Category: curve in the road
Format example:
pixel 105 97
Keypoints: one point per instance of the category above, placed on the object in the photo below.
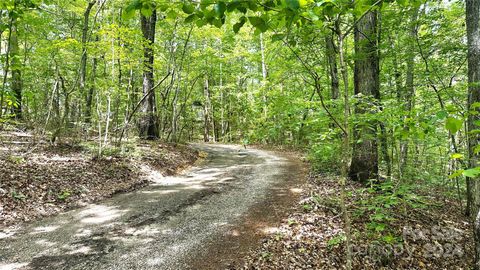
pixel 214 211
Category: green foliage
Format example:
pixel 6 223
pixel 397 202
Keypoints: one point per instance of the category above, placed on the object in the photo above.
pixel 307 207
pixel 325 156
pixel 382 202
pixel 453 125
pixel 18 195
pixel 16 159
pixel 336 240
pixel 64 194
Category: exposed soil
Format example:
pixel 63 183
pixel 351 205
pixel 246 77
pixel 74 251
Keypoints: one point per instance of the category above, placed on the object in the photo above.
pixel 229 250
pixel 39 179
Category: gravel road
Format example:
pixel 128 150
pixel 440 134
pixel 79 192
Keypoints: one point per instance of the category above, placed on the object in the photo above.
pixel 204 218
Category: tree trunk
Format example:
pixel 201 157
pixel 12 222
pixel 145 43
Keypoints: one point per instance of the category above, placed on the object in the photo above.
pixel 17 83
pixel 264 76
pixel 332 65
pixel 88 110
pixel 473 41
pixel 364 165
pixel 206 112
pixel 83 62
pixel 148 120
pixel 476 233
pixel 409 92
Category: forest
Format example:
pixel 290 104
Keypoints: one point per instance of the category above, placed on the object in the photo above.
pixel 378 99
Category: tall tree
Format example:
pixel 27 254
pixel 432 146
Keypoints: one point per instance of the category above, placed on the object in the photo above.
pixel 473 41
pixel 407 95
pixel 148 120
pixel 332 64
pixel 17 83
pixel 364 164
pixel 83 62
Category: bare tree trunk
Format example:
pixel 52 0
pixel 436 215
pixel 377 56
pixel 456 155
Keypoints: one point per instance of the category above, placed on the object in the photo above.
pixel 83 61
pixel 408 94
pixel 473 36
pixel 364 164
pixel 148 121
pixel 88 110
pixel 264 75
pixel 222 106
pixel 346 149
pixel 332 65
pixel 17 83
pixel 206 112
pixel 6 66
pixel 473 41
pixel 174 111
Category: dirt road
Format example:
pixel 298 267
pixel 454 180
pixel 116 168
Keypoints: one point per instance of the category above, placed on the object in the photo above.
pixel 205 218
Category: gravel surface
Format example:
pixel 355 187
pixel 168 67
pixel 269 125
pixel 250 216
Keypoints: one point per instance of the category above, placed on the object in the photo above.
pixel 171 224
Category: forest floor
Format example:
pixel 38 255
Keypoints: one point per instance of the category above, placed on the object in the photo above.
pixel 390 230
pixel 40 179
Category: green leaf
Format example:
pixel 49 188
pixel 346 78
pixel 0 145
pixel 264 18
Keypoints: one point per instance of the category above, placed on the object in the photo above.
pixel 475 105
pixel 188 8
pixel 453 125
pixel 476 149
pixel 146 10
pixel 239 25
pixel 456 174
pixel 278 37
pixel 303 3
pixel 242 9
pixel 217 22
pixel 472 172
pixel 129 11
pixel 258 23
pixel 172 14
pixel 200 23
pixel 190 18
pixel 442 114
pixel 293 4
pixel 220 8
pixel 232 6
pixel 456 156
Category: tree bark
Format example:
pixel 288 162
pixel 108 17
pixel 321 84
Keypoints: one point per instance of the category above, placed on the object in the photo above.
pixel 332 65
pixel 206 112
pixel 83 62
pixel 264 76
pixel 91 90
pixel 364 165
pixel 17 83
pixel 148 120
pixel 409 92
pixel 473 41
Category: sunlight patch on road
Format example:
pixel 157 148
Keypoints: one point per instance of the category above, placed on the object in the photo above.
pixel 45 243
pixel 12 266
pixel 296 190
pixel 234 233
pixel 96 214
pixel 161 192
pixel 83 233
pixel 7 233
pixel 80 250
pixel 269 230
pixel 44 229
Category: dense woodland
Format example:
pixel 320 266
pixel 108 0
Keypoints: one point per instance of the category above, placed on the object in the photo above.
pixel 385 93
